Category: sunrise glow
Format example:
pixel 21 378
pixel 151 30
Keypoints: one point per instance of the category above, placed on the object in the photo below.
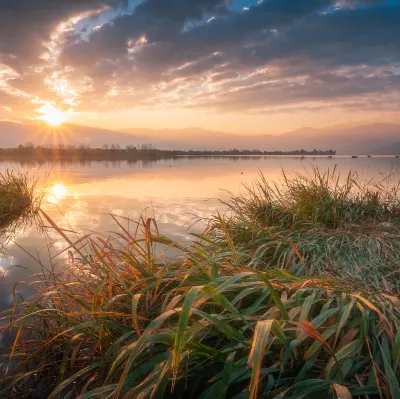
pixel 225 172
pixel 52 115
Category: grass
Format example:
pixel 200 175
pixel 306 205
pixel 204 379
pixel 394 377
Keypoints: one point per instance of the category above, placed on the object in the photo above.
pixel 17 197
pixel 123 319
pixel 320 225
pixel 322 199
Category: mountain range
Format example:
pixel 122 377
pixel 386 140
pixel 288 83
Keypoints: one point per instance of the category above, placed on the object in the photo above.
pixel 383 138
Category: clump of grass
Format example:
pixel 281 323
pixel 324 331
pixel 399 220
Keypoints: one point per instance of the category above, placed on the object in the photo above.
pixel 17 197
pixel 320 199
pixel 319 225
pixel 124 321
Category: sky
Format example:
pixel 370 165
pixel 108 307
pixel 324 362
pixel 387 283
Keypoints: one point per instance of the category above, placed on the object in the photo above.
pixel 240 66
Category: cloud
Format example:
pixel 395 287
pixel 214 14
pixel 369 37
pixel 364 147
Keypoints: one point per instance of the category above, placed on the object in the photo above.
pixel 170 45
pixel 156 20
pixel 25 25
pixel 318 88
pixel 204 53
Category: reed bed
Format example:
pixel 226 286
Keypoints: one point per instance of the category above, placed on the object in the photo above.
pixel 18 197
pixel 123 319
pixel 321 225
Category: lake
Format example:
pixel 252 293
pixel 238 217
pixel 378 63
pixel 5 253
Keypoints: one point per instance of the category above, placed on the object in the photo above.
pixel 81 196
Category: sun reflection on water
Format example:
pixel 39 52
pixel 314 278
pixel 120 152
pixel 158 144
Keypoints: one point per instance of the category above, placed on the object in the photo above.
pixel 57 193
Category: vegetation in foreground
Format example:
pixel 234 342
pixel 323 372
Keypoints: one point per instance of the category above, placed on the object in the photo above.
pixel 17 197
pixel 217 319
pixel 320 225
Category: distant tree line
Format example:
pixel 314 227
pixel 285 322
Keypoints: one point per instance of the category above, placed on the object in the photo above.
pixel 31 147
pixel 143 151
pixel 258 152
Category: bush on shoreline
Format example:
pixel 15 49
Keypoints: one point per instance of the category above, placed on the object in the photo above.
pixel 123 320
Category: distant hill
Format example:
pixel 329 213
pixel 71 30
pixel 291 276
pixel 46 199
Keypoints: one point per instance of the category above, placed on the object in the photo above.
pixel 361 140
pixel 368 139
pixel 392 149
pixel 201 139
pixel 346 140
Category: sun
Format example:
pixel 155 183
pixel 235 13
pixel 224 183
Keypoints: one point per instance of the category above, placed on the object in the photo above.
pixel 55 117
pixel 52 115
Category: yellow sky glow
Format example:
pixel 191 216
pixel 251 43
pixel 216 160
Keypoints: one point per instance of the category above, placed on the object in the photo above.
pixel 77 75
pixel 52 115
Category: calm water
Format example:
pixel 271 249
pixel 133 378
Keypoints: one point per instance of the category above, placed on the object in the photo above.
pixel 80 197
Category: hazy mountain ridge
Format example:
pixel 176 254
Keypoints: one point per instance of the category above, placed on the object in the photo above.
pixel 391 149
pixel 365 139
pixel 347 140
pixel 368 139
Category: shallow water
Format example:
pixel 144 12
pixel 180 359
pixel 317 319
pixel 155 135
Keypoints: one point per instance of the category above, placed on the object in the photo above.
pixel 81 196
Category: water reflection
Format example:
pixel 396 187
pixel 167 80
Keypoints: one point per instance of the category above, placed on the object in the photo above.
pixel 57 193
pixel 82 195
